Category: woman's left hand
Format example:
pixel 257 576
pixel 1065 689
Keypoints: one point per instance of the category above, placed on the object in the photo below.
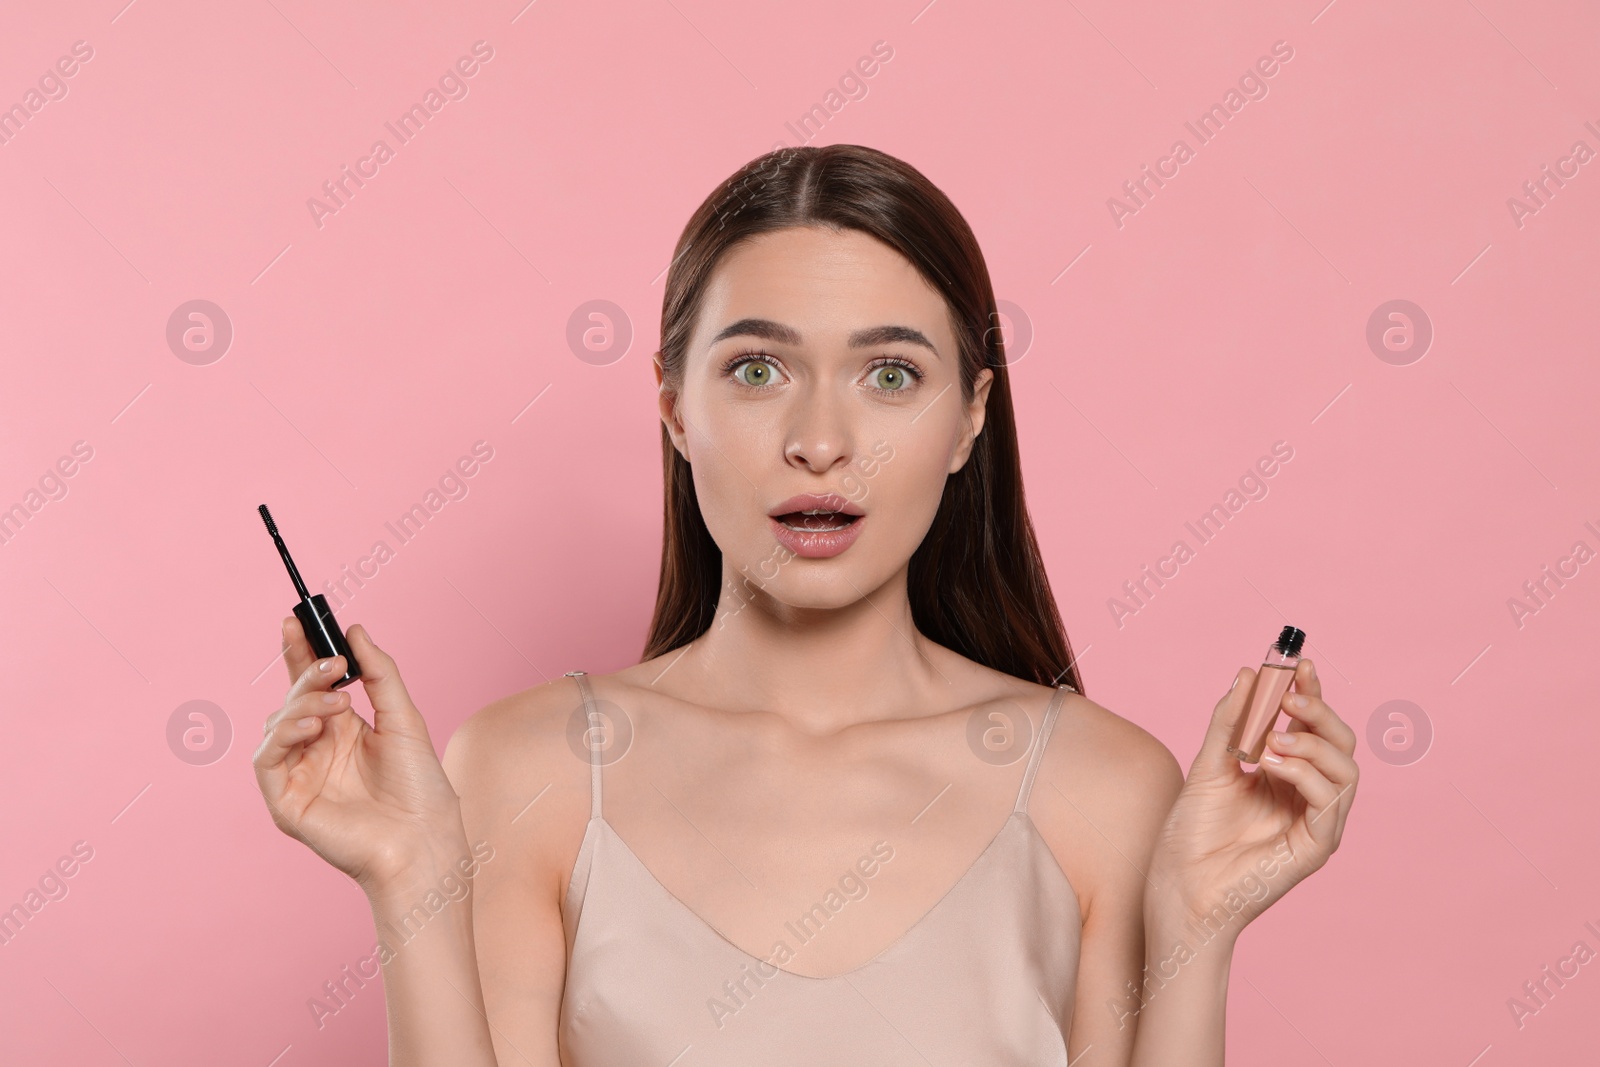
pixel 1238 841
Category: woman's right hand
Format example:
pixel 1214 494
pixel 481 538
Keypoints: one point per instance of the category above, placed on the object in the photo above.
pixel 373 801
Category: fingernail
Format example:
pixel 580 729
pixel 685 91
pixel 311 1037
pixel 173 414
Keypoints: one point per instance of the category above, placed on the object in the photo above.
pixel 331 698
pixel 1268 757
pixel 1301 701
pixel 1281 738
pixel 1311 668
pixel 1235 684
pixel 303 723
pixel 325 665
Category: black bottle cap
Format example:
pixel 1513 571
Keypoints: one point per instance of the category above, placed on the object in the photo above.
pixel 1290 641
pixel 326 638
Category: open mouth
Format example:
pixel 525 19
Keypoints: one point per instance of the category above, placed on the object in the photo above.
pixel 817 521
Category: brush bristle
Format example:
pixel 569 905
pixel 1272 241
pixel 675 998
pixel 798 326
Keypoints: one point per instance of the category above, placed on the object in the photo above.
pixel 266 516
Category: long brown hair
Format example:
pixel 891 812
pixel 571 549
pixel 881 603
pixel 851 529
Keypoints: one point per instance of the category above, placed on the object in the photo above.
pixel 976 583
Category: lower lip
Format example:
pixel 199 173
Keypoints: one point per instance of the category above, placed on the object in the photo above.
pixel 817 544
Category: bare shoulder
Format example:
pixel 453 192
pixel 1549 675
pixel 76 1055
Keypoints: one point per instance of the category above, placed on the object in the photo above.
pixel 1104 788
pixel 1097 755
pixel 502 743
pixel 522 785
pixel 526 796
pixel 1094 747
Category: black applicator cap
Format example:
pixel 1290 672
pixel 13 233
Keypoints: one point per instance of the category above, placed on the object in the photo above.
pixel 1291 640
pixel 325 636
pixel 316 618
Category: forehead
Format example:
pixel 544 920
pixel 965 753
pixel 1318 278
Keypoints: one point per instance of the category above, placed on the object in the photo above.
pixel 824 283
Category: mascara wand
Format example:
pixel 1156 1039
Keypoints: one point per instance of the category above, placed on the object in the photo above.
pixel 316 618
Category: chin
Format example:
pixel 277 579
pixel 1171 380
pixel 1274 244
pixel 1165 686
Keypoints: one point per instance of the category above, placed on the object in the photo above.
pixel 820 584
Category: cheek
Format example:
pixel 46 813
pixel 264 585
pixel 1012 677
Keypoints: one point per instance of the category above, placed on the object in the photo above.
pixel 726 453
pixel 911 486
pixel 900 478
pixel 733 430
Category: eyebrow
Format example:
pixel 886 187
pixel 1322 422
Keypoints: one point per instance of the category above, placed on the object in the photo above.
pixel 871 337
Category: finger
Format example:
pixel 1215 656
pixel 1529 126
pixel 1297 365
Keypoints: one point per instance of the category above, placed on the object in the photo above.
pixel 321 703
pixel 284 736
pixel 319 675
pixel 297 652
pixel 392 707
pixel 1331 762
pixel 1213 759
pixel 272 759
pixel 1306 680
pixel 1326 800
pixel 1310 714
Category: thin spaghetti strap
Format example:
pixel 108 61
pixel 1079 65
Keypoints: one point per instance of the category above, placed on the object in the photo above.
pixel 1038 746
pixel 591 723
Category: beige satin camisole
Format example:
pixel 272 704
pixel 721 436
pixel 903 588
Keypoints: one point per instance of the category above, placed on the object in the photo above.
pixel 985 978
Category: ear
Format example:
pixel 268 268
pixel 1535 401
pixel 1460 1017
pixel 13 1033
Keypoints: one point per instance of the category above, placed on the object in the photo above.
pixel 975 418
pixel 667 401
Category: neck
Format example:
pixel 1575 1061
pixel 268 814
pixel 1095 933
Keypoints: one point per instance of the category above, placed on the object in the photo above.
pixel 821 667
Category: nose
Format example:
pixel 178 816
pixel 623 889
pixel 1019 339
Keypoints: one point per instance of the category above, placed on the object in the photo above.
pixel 818 436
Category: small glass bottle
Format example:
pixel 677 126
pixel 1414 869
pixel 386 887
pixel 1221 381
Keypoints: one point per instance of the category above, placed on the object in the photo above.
pixel 1266 698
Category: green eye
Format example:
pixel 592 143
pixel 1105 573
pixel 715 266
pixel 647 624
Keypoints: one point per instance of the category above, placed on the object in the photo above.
pixel 891 379
pixel 759 374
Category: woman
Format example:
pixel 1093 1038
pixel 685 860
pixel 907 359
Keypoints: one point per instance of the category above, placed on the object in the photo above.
pixel 853 801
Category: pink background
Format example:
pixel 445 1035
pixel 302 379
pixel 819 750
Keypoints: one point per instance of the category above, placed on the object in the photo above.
pixel 431 311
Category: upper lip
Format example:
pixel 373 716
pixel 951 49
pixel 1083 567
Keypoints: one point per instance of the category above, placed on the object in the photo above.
pixel 815 502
